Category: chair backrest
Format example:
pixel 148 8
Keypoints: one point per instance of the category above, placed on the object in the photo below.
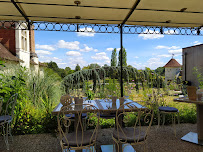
pixel 10 106
pixel 66 100
pixel 64 123
pixel 121 99
pixel 75 99
pixel 1 103
pixel 140 126
pixel 114 98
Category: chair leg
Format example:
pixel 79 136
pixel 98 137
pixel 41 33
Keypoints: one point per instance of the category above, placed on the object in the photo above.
pixel 5 135
pixel 10 132
pixel 164 118
pixel 178 118
pixel 174 123
pixel 158 120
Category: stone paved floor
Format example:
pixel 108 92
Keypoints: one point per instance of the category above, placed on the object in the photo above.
pixel 161 140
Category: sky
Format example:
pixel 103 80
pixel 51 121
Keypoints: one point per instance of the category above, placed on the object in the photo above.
pixel 68 49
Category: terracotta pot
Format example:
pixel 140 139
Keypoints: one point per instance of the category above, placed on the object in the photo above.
pixel 191 91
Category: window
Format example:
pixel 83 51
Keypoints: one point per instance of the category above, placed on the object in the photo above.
pixel 24 42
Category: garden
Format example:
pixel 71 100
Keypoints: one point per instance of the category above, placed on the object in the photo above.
pixel 39 94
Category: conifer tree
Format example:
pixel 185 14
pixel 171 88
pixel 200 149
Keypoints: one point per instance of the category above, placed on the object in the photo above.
pixel 114 58
pixel 124 58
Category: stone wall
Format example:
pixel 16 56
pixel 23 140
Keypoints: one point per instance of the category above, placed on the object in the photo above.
pixel 171 72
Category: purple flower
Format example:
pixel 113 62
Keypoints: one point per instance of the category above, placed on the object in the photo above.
pixel 133 80
pixel 131 88
pixel 152 73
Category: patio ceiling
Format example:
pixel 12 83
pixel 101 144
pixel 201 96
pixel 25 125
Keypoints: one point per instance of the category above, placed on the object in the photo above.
pixel 166 13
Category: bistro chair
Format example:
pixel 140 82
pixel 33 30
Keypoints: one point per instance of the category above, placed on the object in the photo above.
pixel 67 100
pixel 6 119
pixel 168 110
pixel 132 135
pixel 79 139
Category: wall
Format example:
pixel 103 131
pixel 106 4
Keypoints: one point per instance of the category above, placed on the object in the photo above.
pixel 193 58
pixel 23 53
pixel 171 72
pixel 7 38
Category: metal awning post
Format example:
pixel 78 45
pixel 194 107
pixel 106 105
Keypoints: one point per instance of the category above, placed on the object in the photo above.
pixel 121 59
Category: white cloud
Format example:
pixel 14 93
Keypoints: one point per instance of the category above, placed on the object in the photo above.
pixel 118 49
pixel 166 47
pixel 84 32
pixel 86 49
pixel 42 52
pixel 109 49
pixel 165 55
pixel 177 51
pixel 48 59
pixel 138 65
pixel 136 57
pixel 154 63
pixel 73 61
pixel 196 43
pixel 150 36
pixel 73 53
pixel 101 56
pixel 68 45
pixel 61 63
pixel 45 47
pixel 95 50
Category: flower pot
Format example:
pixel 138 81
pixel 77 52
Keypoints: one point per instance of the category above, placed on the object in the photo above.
pixel 199 94
pixel 191 91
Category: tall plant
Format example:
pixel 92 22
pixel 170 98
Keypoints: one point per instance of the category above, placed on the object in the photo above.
pixel 124 57
pixel 114 58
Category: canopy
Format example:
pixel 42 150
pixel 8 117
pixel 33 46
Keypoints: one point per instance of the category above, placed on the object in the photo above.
pixel 166 13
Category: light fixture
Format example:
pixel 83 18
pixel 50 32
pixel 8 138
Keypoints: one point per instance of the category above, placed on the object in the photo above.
pixel 77 2
pixel 183 9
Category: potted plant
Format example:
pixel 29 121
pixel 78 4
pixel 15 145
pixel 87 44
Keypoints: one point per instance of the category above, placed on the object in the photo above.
pixel 200 80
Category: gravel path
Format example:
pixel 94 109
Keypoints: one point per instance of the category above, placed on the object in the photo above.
pixel 161 140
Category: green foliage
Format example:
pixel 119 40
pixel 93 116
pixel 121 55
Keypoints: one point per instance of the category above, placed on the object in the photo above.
pixel 77 68
pixel 124 59
pixel 114 58
pixel 37 97
pixel 160 71
pixel 199 77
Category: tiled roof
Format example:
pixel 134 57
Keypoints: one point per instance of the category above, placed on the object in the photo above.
pixel 172 63
pixel 7 55
pixel 33 63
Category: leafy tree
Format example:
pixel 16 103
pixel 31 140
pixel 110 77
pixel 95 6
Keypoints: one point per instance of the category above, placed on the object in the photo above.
pixel 91 66
pixel 114 58
pixel 77 68
pixel 53 66
pixel 124 58
pixel 68 70
pixel 160 71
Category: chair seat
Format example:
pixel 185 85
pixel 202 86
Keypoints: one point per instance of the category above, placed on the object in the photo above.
pixel 130 135
pixel 168 109
pixel 72 116
pixel 87 140
pixel 5 118
pixel 107 115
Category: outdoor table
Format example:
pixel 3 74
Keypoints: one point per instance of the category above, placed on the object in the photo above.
pixel 104 106
pixel 192 137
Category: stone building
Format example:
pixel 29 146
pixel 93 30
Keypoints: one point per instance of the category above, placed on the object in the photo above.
pixel 172 70
pixel 18 47
pixel 192 57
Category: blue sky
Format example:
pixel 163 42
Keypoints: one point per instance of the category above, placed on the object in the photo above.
pixel 69 49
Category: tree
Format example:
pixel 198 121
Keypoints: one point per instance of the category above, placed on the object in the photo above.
pixel 160 71
pixel 68 70
pixel 53 66
pixel 124 58
pixel 77 68
pixel 114 58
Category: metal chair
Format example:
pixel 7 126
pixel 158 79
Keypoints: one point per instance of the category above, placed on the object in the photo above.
pixel 132 135
pixel 168 110
pixel 79 139
pixel 6 119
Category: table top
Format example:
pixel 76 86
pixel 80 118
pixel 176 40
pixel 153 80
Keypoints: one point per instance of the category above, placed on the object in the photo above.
pixel 104 105
pixel 186 100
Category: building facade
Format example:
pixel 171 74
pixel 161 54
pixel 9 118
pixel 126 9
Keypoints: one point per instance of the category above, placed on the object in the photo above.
pixel 18 47
pixel 172 70
pixel 192 57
